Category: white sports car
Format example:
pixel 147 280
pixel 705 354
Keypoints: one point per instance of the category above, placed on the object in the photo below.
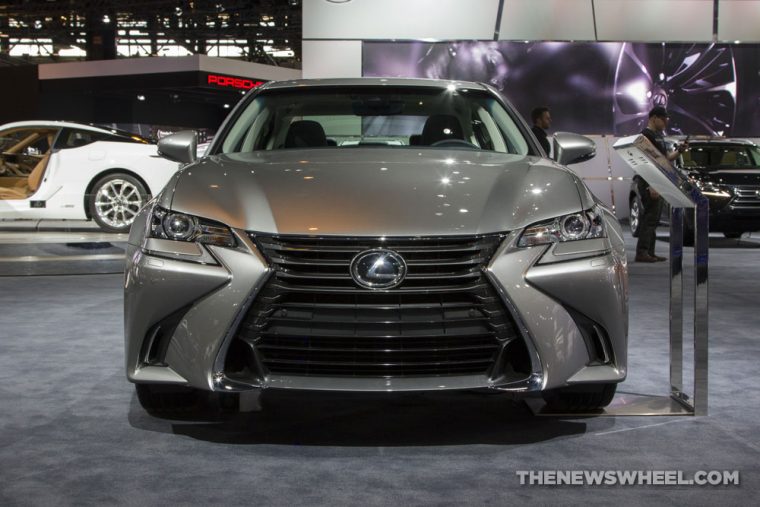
pixel 61 170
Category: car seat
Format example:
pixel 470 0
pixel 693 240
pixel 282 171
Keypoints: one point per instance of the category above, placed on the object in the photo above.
pixel 20 187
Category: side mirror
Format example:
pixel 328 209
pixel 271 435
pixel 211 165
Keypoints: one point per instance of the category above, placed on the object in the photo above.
pixel 572 148
pixel 180 147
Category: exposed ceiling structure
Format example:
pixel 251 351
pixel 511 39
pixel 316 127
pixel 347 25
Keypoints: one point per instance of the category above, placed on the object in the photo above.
pixel 43 31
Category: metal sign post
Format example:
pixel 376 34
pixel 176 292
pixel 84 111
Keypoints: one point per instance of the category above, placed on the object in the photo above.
pixel 681 194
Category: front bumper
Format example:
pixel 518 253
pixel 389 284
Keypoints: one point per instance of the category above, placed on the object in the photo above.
pixel 568 300
pixel 730 219
pixel 738 213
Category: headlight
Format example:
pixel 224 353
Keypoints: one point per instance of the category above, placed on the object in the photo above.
pixel 711 189
pixel 166 224
pixel 584 225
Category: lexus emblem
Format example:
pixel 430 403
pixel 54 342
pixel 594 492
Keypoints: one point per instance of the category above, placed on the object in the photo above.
pixel 378 269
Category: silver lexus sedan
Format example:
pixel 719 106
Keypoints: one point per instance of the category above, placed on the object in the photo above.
pixel 375 235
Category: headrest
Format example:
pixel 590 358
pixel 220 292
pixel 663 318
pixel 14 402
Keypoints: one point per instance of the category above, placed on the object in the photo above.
pixel 439 127
pixel 305 134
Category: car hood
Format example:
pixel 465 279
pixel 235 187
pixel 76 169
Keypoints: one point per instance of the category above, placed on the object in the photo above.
pixel 731 176
pixel 376 191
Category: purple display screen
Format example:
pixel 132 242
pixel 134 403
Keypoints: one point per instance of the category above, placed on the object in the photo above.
pixel 601 87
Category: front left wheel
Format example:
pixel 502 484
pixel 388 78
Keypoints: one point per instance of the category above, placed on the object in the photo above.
pixel 115 201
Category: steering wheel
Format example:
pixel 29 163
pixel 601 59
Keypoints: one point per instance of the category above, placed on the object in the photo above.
pixel 455 143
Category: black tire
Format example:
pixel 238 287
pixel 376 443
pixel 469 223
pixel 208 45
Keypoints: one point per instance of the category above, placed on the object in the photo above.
pixel 115 201
pixel 733 235
pixel 162 399
pixel 580 398
pixel 635 209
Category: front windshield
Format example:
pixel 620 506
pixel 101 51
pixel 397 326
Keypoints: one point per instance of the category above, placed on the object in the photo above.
pixel 355 117
pixel 722 156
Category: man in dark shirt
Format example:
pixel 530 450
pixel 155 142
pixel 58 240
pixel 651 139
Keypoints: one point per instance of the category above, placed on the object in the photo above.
pixel 542 120
pixel 650 199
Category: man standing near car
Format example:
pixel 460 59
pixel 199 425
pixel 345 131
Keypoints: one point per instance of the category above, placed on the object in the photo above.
pixel 650 199
pixel 542 120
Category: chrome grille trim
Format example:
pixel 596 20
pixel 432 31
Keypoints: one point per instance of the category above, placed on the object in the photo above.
pixel 311 319
pixel 746 197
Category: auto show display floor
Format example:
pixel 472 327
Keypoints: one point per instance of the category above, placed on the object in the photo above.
pixel 73 433
pixel 60 252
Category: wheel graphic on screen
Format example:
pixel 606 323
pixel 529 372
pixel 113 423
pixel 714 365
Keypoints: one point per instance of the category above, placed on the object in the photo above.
pixel 695 82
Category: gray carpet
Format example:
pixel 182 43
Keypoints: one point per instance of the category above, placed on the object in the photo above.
pixel 72 431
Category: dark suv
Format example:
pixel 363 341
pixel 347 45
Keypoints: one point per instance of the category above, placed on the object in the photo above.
pixel 727 171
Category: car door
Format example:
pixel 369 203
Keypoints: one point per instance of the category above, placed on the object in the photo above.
pixel 78 156
pixel 26 154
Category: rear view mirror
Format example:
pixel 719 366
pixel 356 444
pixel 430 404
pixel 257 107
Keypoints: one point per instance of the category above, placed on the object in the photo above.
pixel 180 147
pixel 377 106
pixel 572 148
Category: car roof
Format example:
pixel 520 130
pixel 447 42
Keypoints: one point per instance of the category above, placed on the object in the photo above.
pixel 374 81
pixel 711 140
pixel 56 124
pixel 743 142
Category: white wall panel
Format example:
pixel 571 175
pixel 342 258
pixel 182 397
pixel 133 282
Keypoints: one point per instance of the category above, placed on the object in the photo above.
pixel 324 58
pixel 654 20
pixel 400 19
pixel 158 65
pixel 547 20
pixel 739 20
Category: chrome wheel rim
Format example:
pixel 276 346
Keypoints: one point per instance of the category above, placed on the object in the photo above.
pixel 117 203
pixel 634 215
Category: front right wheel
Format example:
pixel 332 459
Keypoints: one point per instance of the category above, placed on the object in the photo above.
pixel 580 398
pixel 634 215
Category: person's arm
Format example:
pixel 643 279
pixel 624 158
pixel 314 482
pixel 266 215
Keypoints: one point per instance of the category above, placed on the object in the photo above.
pixel 677 152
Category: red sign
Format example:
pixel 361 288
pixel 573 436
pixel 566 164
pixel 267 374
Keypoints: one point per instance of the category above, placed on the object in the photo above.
pixel 233 82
